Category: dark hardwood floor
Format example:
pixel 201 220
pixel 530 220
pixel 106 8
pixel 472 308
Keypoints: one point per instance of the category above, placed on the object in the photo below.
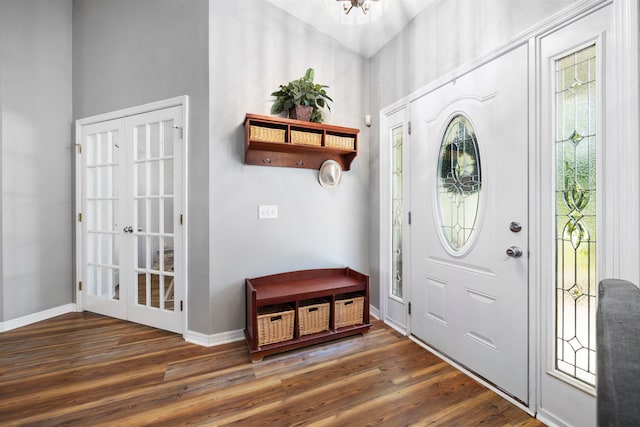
pixel 89 370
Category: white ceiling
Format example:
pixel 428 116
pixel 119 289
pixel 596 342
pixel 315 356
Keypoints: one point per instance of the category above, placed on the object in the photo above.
pixel 365 39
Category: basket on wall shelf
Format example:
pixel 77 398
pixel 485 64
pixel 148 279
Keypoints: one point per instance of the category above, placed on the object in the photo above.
pixel 306 138
pixel 341 142
pixel 260 133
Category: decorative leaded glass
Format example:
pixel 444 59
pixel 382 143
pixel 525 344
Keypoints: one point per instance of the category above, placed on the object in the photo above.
pixel 575 207
pixel 396 214
pixel 459 182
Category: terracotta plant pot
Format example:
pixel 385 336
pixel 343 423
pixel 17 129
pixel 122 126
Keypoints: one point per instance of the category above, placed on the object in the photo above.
pixel 301 112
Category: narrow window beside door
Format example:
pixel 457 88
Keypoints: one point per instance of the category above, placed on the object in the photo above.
pixel 575 206
pixel 397 214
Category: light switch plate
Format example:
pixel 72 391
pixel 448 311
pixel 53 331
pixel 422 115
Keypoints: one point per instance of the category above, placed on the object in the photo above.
pixel 267 211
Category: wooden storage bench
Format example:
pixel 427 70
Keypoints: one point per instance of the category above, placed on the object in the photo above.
pixel 297 289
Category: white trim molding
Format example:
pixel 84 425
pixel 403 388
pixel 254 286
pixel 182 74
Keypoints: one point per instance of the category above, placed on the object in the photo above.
pixel 626 69
pixel 398 327
pixel 138 109
pixel 205 340
pixel 374 312
pixel 37 317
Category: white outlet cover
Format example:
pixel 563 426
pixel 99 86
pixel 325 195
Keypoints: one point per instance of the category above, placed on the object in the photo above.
pixel 267 211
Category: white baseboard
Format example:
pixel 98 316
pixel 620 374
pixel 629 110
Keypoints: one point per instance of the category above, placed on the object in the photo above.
pixel 374 312
pixel 214 339
pixel 549 419
pixel 397 326
pixel 37 317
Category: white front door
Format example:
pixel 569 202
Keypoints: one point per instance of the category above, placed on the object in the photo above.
pixel 130 179
pixel 469 232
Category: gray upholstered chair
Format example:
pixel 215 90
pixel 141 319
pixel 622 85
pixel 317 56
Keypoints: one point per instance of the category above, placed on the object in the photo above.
pixel 618 353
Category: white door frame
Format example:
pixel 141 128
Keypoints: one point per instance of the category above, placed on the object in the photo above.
pixel 623 256
pixel 182 101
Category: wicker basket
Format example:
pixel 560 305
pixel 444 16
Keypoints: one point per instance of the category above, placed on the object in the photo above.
pixel 348 310
pixel 341 142
pixel 259 133
pixel 306 138
pixel 275 324
pixel 313 316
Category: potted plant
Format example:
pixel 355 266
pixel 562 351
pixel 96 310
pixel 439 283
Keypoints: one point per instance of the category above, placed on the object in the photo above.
pixel 302 99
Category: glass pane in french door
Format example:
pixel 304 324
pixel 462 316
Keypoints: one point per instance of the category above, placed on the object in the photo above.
pixel 153 203
pixel 102 214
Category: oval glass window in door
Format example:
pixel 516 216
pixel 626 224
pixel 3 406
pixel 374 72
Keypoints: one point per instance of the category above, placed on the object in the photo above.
pixel 458 184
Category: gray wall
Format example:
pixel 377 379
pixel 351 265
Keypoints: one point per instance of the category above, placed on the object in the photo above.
pixel 127 53
pixel 445 36
pixel 35 138
pixel 253 50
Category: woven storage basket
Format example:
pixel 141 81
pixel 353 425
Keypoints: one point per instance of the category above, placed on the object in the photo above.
pixel 313 317
pixel 306 138
pixel 348 310
pixel 341 142
pixel 259 133
pixel 275 324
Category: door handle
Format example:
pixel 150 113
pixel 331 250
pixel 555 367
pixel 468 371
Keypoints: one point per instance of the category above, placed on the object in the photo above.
pixel 128 229
pixel 514 252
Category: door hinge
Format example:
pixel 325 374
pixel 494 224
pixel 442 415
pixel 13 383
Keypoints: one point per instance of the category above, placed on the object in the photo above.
pixel 409 128
pixel 181 305
pixel 79 148
pixel 409 218
pixel 180 131
pixel 79 286
pixel 409 307
pixel 181 219
pixel 79 216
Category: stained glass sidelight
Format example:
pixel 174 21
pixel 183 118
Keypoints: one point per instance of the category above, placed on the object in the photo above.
pixel 459 182
pixel 575 205
pixel 396 214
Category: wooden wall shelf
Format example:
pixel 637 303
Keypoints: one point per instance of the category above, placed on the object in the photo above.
pixel 274 141
pixel 295 288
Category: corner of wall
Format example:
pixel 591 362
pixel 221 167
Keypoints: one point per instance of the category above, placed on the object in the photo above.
pixel 211 340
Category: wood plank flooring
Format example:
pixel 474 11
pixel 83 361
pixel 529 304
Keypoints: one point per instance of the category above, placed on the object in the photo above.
pixel 89 370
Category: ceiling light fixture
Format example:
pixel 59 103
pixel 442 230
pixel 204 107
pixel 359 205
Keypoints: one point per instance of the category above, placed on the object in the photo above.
pixel 369 10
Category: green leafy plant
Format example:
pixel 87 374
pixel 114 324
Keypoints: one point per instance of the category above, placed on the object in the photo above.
pixel 302 91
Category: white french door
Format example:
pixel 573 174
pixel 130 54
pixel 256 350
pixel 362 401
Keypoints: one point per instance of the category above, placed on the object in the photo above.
pixel 469 231
pixel 131 240
pixel 101 217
